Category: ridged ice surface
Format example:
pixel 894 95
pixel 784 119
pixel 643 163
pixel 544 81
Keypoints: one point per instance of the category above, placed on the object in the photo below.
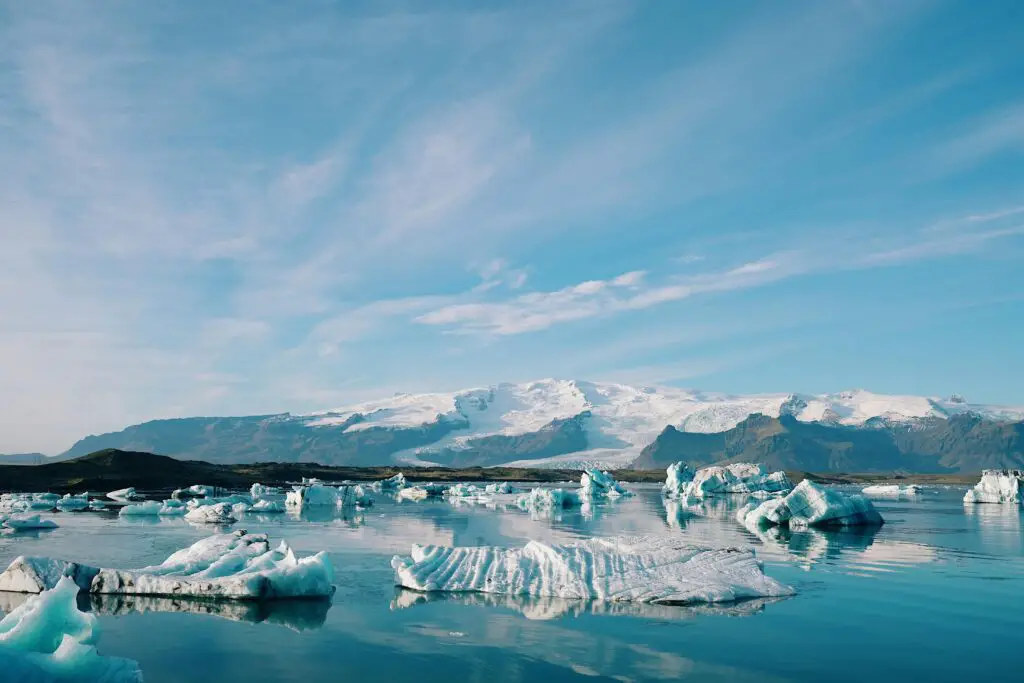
pixel 736 478
pixel 996 486
pixel 639 569
pixel 47 639
pixel 232 566
pixel 808 505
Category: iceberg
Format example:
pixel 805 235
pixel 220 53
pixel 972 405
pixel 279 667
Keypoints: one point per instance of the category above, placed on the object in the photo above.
pixel 597 484
pixel 744 478
pixel 198 491
pixel 122 495
pixel 48 640
pixel 501 488
pixel 883 490
pixel 422 492
pixel 677 478
pixel 318 495
pixel 70 503
pixel 28 522
pixel 238 566
pixel 218 513
pixel 395 483
pixel 997 486
pixel 259 491
pixel 641 569
pixel 267 506
pixel 548 499
pixel 808 505
pixel 152 508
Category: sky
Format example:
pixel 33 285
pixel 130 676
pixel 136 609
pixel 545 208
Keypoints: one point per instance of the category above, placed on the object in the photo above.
pixel 252 208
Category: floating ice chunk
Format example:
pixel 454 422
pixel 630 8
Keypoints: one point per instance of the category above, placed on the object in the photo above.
pixel 259 491
pixel 352 495
pixel 501 488
pixel 197 491
pixel 677 477
pixel 26 523
pixel 548 499
pixel 597 484
pixel 997 486
pixel 122 495
pixel 462 491
pixel 218 513
pixel 395 483
pixel 47 639
pixel 70 503
pixel 97 506
pixel 422 492
pixel 267 506
pixel 318 495
pixel 232 566
pixel 883 490
pixel 736 478
pixel 811 504
pixel 654 570
pixel 148 508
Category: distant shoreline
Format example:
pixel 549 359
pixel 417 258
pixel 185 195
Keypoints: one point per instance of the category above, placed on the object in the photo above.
pixel 113 469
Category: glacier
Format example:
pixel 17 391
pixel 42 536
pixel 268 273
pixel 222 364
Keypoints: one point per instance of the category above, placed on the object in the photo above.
pixel 997 486
pixel 237 566
pixel 808 505
pixel 48 640
pixel 640 569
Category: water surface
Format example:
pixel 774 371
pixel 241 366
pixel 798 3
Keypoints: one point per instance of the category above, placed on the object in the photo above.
pixel 935 594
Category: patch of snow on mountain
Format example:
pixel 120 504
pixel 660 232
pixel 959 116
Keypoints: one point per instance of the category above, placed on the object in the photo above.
pixel 403 410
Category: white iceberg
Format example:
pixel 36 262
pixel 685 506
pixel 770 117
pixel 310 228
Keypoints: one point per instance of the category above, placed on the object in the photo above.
pixel 318 495
pixel 650 570
pixel 266 506
pixel 422 492
pixel 808 505
pixel 198 491
pixel 26 523
pixel 889 490
pixel 597 484
pixel 122 495
pixel 48 640
pixel 218 513
pixel 231 566
pixel 746 478
pixel 152 508
pixel 677 477
pixel 259 491
pixel 548 499
pixel 997 486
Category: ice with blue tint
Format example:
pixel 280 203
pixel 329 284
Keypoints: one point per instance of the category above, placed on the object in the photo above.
pixel 422 491
pixel 48 640
pixel 677 477
pixel 811 504
pixel 259 491
pixel 597 484
pixel 153 508
pixel 122 495
pixel 320 495
pixel 231 566
pixel 501 488
pixel 637 569
pixel 267 506
pixel 392 484
pixel 548 499
pixel 998 487
pixel 28 522
pixel 737 478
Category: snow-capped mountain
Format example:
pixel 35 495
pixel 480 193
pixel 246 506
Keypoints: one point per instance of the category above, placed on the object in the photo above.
pixel 549 422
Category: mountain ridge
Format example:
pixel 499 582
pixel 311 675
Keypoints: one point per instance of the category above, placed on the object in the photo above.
pixel 560 423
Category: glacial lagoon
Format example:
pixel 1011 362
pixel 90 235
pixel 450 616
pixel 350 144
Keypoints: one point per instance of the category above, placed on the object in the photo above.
pixel 933 594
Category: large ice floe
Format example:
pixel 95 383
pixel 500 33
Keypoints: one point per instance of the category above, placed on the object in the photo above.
pixel 808 505
pixel 48 640
pixel 639 569
pixel 319 495
pixel 891 490
pixel 236 566
pixel 997 486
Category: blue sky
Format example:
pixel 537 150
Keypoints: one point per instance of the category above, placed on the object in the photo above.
pixel 207 210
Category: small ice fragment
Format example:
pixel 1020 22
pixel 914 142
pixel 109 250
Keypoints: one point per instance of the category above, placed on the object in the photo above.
pixel 122 495
pixel 219 513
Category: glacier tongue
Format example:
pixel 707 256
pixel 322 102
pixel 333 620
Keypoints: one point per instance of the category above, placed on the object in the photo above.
pixel 640 569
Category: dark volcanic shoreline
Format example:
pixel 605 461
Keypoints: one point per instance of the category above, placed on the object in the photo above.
pixel 113 469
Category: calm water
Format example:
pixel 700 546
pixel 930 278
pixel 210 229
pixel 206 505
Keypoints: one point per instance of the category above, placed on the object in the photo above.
pixel 937 594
